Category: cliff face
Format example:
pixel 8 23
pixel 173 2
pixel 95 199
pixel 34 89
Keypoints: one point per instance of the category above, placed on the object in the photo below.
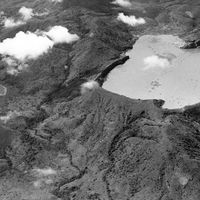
pixel 59 144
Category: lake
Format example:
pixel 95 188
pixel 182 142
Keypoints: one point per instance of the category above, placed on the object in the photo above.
pixel 159 69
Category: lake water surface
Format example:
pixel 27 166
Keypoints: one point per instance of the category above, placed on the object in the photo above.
pixel 159 69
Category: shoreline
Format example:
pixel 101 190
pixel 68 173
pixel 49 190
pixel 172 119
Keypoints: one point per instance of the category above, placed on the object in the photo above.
pixel 103 75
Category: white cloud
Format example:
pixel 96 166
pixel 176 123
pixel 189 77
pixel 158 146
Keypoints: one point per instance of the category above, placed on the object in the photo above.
pixel 44 172
pixel 10 115
pixel 88 86
pixel 25 46
pixel 3 90
pixel 57 1
pixel 41 182
pixel 123 3
pixel 26 13
pixel 10 22
pixel 60 34
pixel 39 14
pixel 190 14
pixel 9 61
pixel 2 13
pixel 155 62
pixel 37 183
pixel 130 20
pixel 12 71
pixel 12 65
pixel 15 70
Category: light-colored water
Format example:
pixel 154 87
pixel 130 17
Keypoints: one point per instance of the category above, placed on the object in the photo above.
pixel 159 69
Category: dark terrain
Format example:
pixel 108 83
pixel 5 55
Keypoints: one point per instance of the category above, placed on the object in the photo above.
pixel 103 146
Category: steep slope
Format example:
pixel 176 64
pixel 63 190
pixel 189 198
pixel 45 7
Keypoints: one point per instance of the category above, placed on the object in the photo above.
pixel 57 144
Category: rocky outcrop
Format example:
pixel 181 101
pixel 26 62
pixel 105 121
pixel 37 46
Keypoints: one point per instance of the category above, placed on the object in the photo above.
pixel 192 45
pixel 103 75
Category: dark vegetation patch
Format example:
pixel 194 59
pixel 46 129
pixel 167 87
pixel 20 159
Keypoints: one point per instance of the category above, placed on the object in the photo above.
pixel 95 5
